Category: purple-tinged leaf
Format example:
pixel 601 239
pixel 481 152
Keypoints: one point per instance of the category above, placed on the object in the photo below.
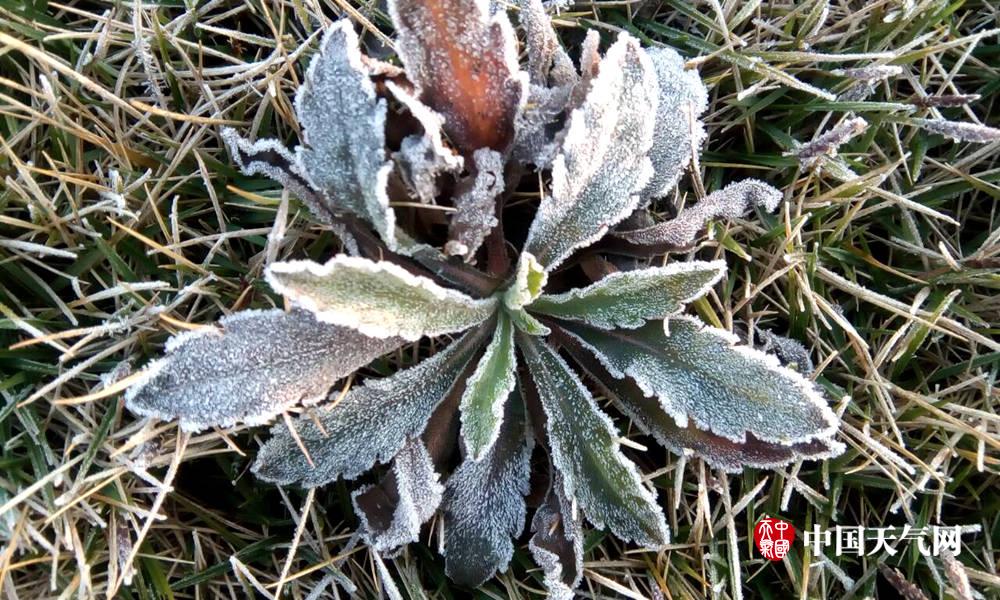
pixel 392 512
pixel 700 375
pixel 723 453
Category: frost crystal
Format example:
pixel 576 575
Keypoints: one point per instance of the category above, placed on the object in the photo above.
pixel 484 504
pixel 260 363
pixel 465 65
pixel 602 164
pixel 730 202
pixel 392 512
pixel 629 299
pixel 679 132
pixel 697 372
pixel 342 440
pixel 475 204
pixel 585 449
pixel 379 299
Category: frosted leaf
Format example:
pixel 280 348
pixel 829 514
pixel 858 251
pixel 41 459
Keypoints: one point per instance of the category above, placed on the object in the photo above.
pixel 487 389
pixel 585 450
pixel 828 143
pixel 484 504
pixel 464 64
pixel 790 352
pixel 425 157
pixel 270 158
pixel 679 132
pixel 557 543
pixel 630 298
pixel 537 125
pixel 698 373
pixel 548 63
pixel 258 364
pixel 647 413
pixel 476 205
pixel 959 131
pixel 730 202
pixel 379 299
pixel 870 73
pixel 343 129
pixel 527 323
pixel 392 512
pixel 602 164
pixel 529 281
pixel 369 425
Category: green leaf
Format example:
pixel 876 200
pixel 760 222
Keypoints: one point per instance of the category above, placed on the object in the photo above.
pixel 379 299
pixel 370 424
pixel 602 164
pixel 258 364
pixel 585 449
pixel 698 373
pixel 487 390
pixel 527 323
pixel 484 503
pixel 528 283
pixel 629 299
pixel 647 413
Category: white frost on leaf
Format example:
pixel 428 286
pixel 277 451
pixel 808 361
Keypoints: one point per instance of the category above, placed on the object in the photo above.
pixel 960 131
pixel 487 390
pixel 369 425
pixel 270 158
pixel 392 512
pixel 557 543
pixel 484 504
pixel 463 62
pixel 585 449
pixel 476 204
pixel 256 365
pixel 602 165
pixel 548 63
pixel 343 128
pixel 425 157
pixel 730 203
pixel 700 373
pixel 379 299
pixel 628 299
pixel 648 415
pixel 679 131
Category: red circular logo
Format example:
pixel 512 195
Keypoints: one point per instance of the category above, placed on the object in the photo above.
pixel 773 537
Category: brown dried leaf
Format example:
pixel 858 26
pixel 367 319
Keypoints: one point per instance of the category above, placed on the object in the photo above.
pixel 464 63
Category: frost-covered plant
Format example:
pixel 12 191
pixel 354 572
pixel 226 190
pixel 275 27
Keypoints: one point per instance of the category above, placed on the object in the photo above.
pixel 517 306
